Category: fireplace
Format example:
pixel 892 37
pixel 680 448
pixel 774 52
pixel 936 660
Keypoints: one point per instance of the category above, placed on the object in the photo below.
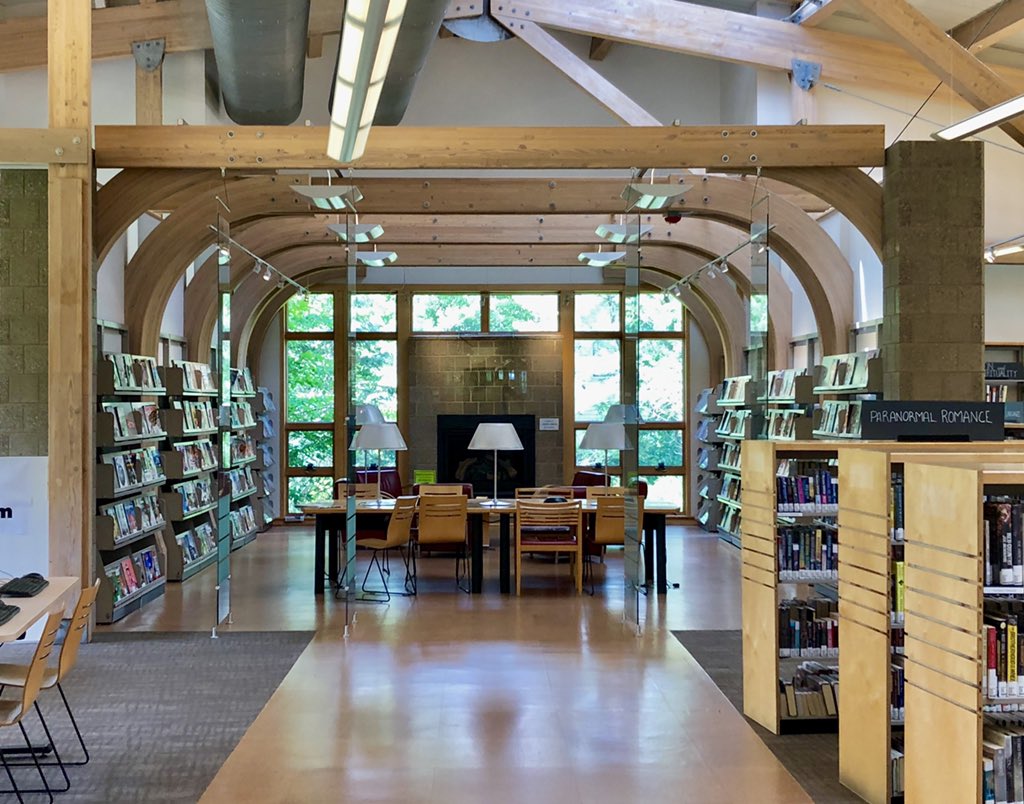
pixel 456 463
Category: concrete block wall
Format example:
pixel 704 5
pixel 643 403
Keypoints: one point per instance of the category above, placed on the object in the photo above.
pixel 934 284
pixel 450 376
pixel 23 312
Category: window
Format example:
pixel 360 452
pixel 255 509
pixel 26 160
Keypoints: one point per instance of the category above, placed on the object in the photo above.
pixel 310 374
pixel 665 489
pixel 373 312
pixel 598 381
pixel 660 379
pixel 446 312
pixel 597 312
pixel 302 490
pixel 375 375
pixel 592 457
pixel 661 447
pixel 312 312
pixel 658 313
pixel 523 312
pixel 310 449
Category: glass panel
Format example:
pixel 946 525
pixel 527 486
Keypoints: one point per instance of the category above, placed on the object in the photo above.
pixel 665 489
pixel 597 312
pixel 310 380
pixel 660 313
pixel 375 376
pixel 524 312
pixel 446 312
pixel 590 458
pixel 367 458
pixel 373 312
pixel 311 449
pixel 598 378
pixel 313 312
pixel 661 447
pixel 305 490
pixel 660 379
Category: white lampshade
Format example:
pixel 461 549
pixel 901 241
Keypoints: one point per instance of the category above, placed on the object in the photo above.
pixel 627 414
pixel 605 435
pixel 330 196
pixel 368 414
pixel 496 435
pixel 382 435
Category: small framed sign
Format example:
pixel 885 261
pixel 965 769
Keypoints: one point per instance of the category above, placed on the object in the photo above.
pixel 547 424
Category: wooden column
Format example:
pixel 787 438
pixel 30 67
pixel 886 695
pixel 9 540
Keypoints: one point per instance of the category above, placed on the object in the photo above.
pixel 71 304
pixel 149 96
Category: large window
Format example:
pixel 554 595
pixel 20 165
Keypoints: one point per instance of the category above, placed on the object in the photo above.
pixel 523 312
pixel 447 312
pixel 374 320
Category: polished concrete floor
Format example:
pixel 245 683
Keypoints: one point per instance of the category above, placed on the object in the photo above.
pixel 450 698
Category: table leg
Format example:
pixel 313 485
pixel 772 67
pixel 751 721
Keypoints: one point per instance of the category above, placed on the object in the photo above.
pixel 318 556
pixel 476 538
pixel 648 550
pixel 504 545
pixel 660 558
pixel 333 535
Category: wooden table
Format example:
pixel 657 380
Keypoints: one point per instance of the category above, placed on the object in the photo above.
pixel 332 529
pixel 53 598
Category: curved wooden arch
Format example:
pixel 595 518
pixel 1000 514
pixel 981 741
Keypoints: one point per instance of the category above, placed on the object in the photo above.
pixel 274 236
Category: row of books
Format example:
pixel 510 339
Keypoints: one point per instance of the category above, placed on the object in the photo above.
pixel 897 704
pixel 781 425
pixel 1002 752
pixel 135 373
pixel 134 572
pixel 897 530
pixel 197 378
pixel 241 481
pixel 198 415
pixel 241 381
pixel 896 764
pixel 197 542
pixel 809 628
pixel 730 520
pixel 1004 652
pixel 135 467
pixel 197 456
pixel 734 424
pixel 243 521
pixel 845 371
pixel 897 581
pixel 241 415
pixel 134 419
pixel 996 393
pixel 813 692
pixel 243 448
pixel 808 553
pixel 134 516
pixel 1004 542
pixel 734 389
pixel 782 384
pixel 816 492
pixel 195 494
pixel 730 488
pixel 840 419
pixel 730 454
pixel 897 640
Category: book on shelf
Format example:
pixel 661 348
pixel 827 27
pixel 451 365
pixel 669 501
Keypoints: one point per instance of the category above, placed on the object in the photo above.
pixel 195 494
pixel 814 492
pixel 896 764
pixel 730 488
pixel 996 393
pixel 731 453
pixel 1004 542
pixel 196 377
pixel 123 417
pixel 809 628
pixel 134 372
pixel 149 418
pixel 241 381
pixel 813 692
pixel 241 481
pixel 197 415
pixel 197 456
pixel 197 542
pixel 134 516
pixel 705 403
pixel 243 521
pixel 897 705
pixel 897 579
pixel 243 448
pixel 132 573
pixel 896 504
pixel 241 415
pixel 730 520
pixel 734 423
pixel 135 467
pixel 807 553
pixel 840 418
pixel 734 389
pixel 1002 751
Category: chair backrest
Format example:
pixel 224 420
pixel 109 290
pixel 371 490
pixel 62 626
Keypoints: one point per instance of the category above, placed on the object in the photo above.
pixel 442 519
pixel 366 491
pixel 538 515
pixel 610 520
pixel 34 679
pixel 605 491
pixel 543 492
pixel 79 622
pixel 400 524
pixel 435 489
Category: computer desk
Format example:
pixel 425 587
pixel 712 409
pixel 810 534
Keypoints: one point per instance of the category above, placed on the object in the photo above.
pixel 53 598
pixel 331 519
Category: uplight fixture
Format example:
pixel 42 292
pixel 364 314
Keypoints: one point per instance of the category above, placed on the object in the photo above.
pixel 361 232
pixel 376 259
pixel 599 258
pixel 653 196
pixel 989 118
pixel 333 197
pixel 623 232
pixel 368 36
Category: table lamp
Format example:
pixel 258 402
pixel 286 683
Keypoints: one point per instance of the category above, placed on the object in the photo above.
pixel 625 414
pixel 607 436
pixel 495 436
pixel 379 436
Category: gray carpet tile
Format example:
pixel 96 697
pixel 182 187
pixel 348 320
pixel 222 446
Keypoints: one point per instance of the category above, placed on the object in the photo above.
pixel 812 759
pixel 161 712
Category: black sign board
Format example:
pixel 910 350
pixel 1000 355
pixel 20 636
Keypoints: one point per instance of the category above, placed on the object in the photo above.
pixel 939 421
pixel 1005 372
pixel 1014 413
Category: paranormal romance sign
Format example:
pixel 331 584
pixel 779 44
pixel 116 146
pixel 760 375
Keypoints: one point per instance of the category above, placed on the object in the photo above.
pixel 971 421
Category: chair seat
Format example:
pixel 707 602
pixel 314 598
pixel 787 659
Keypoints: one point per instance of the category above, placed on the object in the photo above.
pixel 531 529
pixel 14 675
pixel 374 544
pixel 530 544
pixel 10 712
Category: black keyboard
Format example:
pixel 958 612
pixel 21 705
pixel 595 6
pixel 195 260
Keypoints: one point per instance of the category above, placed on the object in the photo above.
pixel 7 612
pixel 23 587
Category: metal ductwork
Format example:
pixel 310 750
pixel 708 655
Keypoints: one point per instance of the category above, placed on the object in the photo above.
pixel 260 47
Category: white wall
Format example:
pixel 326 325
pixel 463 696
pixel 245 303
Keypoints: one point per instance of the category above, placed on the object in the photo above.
pixel 1004 291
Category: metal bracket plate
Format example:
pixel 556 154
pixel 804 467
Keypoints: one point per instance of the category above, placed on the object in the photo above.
pixel 149 54
pixel 806 73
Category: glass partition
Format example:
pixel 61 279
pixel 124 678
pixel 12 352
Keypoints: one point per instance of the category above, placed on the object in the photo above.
pixel 757 307
pixel 634 569
pixel 222 372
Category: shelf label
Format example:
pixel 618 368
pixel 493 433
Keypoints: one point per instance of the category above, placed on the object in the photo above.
pixel 1004 371
pixel 973 421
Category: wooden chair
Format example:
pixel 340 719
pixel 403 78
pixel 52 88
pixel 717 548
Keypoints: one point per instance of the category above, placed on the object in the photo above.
pixel 609 528
pixel 13 711
pixel 398 536
pixel 593 492
pixel 436 489
pixel 543 492
pixel 368 491
pixel 442 524
pixel 549 528
pixel 14 675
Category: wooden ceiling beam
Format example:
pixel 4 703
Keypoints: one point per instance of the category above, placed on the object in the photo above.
pixel 947 60
pixel 600 48
pixel 991 26
pixel 548 148
pixel 579 72
pixel 41 146
pixel 740 38
pixel 817 12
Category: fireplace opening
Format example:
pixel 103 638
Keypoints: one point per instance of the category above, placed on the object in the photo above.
pixel 456 463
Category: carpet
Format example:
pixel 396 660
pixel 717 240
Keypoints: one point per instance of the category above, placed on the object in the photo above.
pixel 160 712
pixel 812 759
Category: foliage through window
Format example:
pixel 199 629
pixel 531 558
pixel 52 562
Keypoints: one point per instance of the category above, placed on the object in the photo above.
pixel 375 375
pixel 446 312
pixel 309 369
pixel 312 312
pixel 657 313
pixel 661 447
pixel 597 312
pixel 310 449
pixel 598 381
pixel 523 312
pixel 660 379
pixel 373 312
pixel 593 457
pixel 303 490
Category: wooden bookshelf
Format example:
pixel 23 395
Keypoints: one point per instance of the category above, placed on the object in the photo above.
pixel 761 588
pixel 787 387
pixel 709 479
